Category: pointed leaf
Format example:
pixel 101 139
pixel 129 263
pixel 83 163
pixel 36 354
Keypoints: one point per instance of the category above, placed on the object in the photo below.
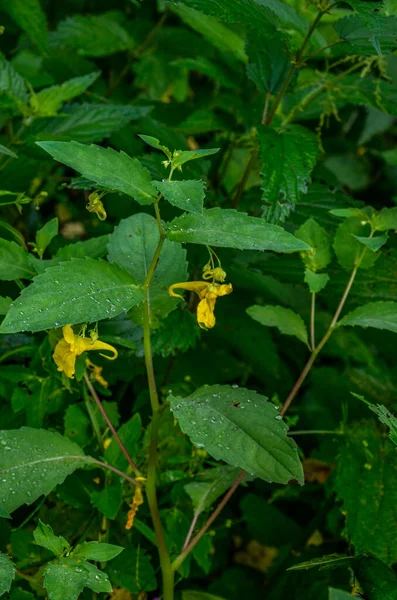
pixel 47 102
pixel 45 537
pixel 386 219
pixel 45 235
pixel 373 243
pixel 242 428
pixel 7 573
pixel 14 263
pixel 231 229
pixel 66 579
pixel 329 561
pixel 285 319
pixel 76 291
pixel 381 315
pixel 97 551
pixel 316 281
pixel 183 156
pixel 30 17
pixel 109 169
pixel 187 195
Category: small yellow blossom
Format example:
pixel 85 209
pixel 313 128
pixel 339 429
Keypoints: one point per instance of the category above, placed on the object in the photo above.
pixel 134 506
pixel 96 372
pixel 208 292
pixel 217 274
pixel 71 346
pixel 95 205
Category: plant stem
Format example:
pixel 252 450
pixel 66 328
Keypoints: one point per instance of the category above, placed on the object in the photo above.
pixel 315 432
pixel 151 493
pixel 312 323
pixel 109 423
pixel 104 465
pixel 179 559
pixel 265 108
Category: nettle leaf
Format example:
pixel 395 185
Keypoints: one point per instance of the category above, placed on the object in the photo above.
pixel 187 195
pixel 381 315
pixel 14 262
pixel 87 123
pixel 7 573
pixel 347 249
pixel 66 579
pixel 384 416
pixel 33 462
pixel 285 319
pixel 318 239
pixel 30 17
pixel 288 159
pixel 97 551
pixel 45 537
pixel 367 465
pixel 362 38
pixel 242 428
pixel 132 247
pixel 13 89
pixel 95 35
pixel 77 291
pixel 47 102
pixel 110 169
pixel 385 219
pixel 268 63
pixel 231 229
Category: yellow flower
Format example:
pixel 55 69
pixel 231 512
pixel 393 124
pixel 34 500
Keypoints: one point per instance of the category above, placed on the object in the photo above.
pixel 208 292
pixel 96 372
pixel 134 506
pixel 95 205
pixel 71 346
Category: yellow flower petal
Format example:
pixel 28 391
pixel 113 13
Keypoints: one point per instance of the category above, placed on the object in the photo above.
pixel 98 345
pixel 205 312
pixel 190 286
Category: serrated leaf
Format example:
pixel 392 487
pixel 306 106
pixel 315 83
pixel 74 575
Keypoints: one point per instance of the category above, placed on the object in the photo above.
pixel 183 156
pixel 45 537
pixel 329 561
pixel 240 427
pixel 155 143
pixel 87 123
pixel 381 315
pixel 377 581
pixel 231 229
pixel 66 579
pixel 348 250
pixel 45 235
pixel 268 63
pixel 77 291
pixel 132 247
pixel 385 219
pixel 13 89
pixel 187 195
pixel 95 247
pixel 285 319
pixel 14 263
pixel 48 101
pixel 110 169
pixel 95 35
pixel 97 551
pixel 288 159
pixel 316 281
pixel 367 464
pixel 30 17
pixel 7 573
pixel 374 243
pixel 365 39
pixel 384 416
pixel 319 241
pixel 32 463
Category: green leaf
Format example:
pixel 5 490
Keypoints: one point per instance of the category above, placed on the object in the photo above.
pixel 45 537
pixel 347 249
pixel 349 212
pixel 110 169
pixel 209 486
pixel 316 281
pixel 384 416
pixel 7 151
pixel 7 573
pixel 95 247
pixel 108 501
pixel 132 247
pixel 363 39
pixel 47 102
pixel 133 571
pixel 45 235
pixel 32 463
pixel 195 595
pixel 14 263
pixel 288 159
pixel 30 17
pixel 231 229
pixel 377 581
pixel 4 304
pixel 155 143
pixel 96 35
pixel 129 433
pixel 77 291
pixel 366 469
pixel 66 579
pixel 381 315
pixel 97 551
pixel 242 428
pixel 218 35
pixel 335 594
pixel 386 219
pixel 373 243
pixel 319 256
pixel 181 157
pixel 329 561
pixel 87 123
pixel 187 195
pixel 268 63
pixel 78 425
pixel 247 12
pixel 285 319
pixel 13 89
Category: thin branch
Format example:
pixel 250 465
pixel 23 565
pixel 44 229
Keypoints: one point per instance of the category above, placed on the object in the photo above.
pixel 312 323
pixel 104 465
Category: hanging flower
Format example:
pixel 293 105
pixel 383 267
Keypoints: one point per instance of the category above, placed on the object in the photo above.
pixel 71 346
pixel 96 373
pixel 208 292
pixel 95 205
